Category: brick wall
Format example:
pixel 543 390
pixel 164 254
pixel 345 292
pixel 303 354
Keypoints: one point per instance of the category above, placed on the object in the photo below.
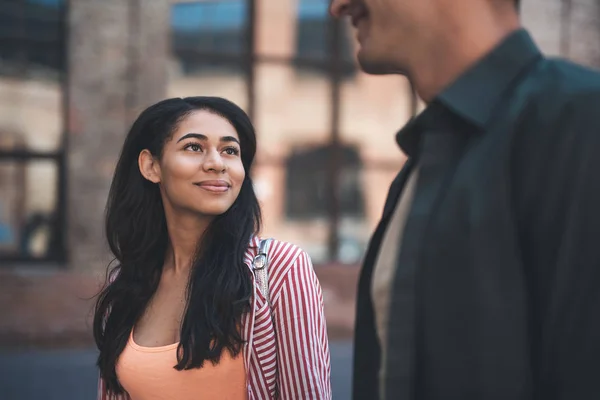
pixel 117 65
pixel 56 310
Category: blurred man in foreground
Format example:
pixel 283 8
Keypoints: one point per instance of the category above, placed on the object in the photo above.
pixel 482 280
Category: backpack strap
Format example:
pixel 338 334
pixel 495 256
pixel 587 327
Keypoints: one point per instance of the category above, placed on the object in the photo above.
pixel 260 265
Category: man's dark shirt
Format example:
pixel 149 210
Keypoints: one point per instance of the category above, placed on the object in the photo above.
pixel 497 290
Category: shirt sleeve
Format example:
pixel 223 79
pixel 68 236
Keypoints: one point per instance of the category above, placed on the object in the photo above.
pixel 302 344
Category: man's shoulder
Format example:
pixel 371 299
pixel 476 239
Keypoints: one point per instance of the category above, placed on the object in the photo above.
pixel 563 82
pixel 557 114
pixel 556 92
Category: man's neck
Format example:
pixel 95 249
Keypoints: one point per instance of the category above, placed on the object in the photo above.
pixel 463 47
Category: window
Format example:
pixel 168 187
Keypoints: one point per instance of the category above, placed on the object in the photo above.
pixel 313 40
pixel 209 35
pixel 307 183
pixel 32 156
pixel 312 30
pixel 209 50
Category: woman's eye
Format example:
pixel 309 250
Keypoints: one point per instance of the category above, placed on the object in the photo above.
pixel 194 147
pixel 232 151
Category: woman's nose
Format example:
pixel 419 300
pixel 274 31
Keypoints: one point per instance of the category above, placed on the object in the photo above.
pixel 214 162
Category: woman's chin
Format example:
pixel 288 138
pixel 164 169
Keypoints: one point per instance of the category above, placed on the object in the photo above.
pixel 212 211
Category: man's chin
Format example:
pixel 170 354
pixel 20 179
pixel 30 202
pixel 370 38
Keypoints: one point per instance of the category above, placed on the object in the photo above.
pixel 375 65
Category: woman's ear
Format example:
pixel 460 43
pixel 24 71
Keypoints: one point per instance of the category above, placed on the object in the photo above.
pixel 149 167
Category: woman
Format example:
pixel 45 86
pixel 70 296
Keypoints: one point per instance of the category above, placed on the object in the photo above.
pixel 183 316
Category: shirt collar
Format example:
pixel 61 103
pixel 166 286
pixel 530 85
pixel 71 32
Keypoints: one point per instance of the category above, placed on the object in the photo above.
pixel 477 92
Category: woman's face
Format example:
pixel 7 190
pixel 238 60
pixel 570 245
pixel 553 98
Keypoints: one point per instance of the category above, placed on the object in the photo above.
pixel 201 168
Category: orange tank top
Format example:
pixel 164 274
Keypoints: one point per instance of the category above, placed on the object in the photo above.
pixel 147 373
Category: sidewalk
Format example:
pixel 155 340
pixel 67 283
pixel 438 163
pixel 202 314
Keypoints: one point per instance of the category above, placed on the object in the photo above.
pixel 72 375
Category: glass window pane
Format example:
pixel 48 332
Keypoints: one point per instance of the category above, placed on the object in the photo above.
pixel 207 50
pixel 293 115
pixel 32 38
pixel 312 29
pixel 31 67
pixel 31 116
pixel 28 200
pixel 308 180
pixel 209 27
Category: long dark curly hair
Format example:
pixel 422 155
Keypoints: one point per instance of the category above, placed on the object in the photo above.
pixel 220 285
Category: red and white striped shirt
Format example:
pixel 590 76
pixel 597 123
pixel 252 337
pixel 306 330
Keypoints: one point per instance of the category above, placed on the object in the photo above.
pixel 286 356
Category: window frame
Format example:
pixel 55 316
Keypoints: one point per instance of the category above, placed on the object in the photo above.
pixel 58 156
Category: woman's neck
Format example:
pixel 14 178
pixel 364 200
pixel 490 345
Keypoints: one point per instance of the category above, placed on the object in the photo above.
pixel 185 231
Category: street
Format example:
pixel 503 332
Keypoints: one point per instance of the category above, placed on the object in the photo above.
pixel 71 374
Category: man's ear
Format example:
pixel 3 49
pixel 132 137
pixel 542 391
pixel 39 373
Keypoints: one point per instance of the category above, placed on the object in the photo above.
pixel 149 166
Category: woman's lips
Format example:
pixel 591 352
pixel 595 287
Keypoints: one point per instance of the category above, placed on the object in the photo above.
pixel 214 186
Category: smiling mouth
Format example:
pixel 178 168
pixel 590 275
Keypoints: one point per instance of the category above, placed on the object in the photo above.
pixel 214 186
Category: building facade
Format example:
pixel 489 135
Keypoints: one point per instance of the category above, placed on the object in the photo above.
pixel 75 74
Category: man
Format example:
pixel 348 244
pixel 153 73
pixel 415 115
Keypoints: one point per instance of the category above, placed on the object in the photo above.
pixel 482 280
